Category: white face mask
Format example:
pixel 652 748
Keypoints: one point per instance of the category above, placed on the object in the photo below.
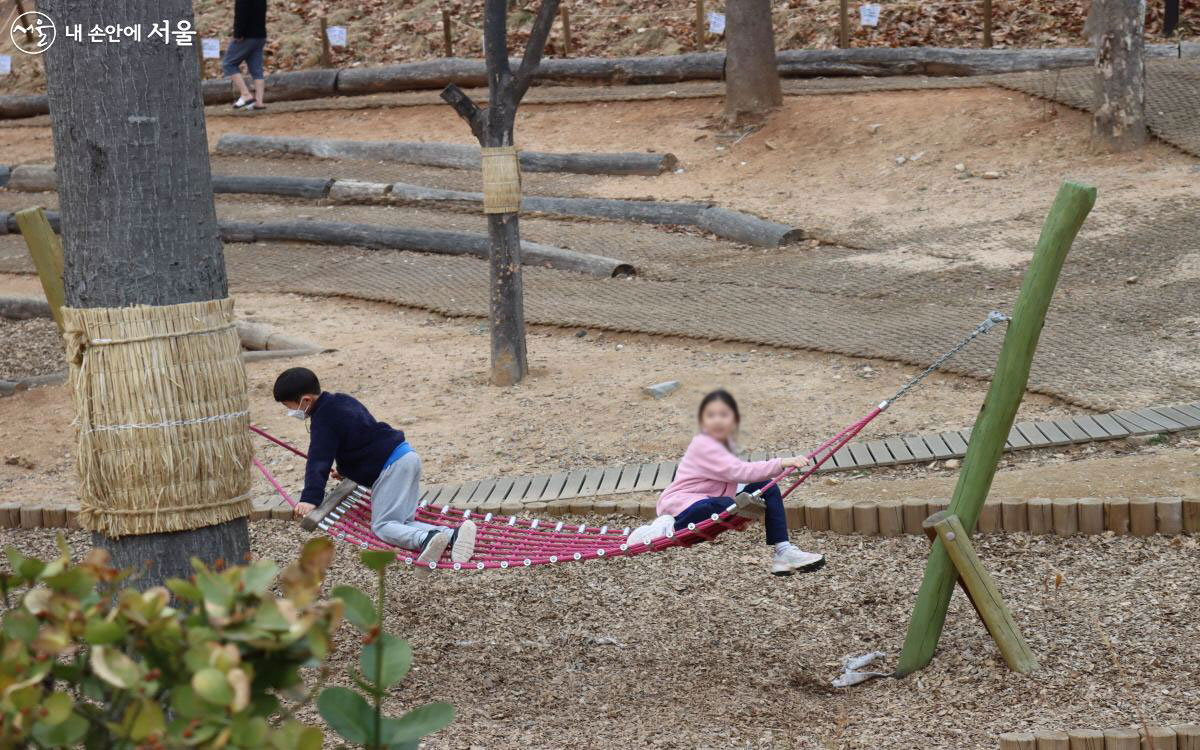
pixel 298 414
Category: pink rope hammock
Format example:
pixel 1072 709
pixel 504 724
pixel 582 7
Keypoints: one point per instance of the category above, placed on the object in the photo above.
pixel 510 542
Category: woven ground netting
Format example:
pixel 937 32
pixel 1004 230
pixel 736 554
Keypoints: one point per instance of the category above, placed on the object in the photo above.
pixel 161 416
pixel 1172 96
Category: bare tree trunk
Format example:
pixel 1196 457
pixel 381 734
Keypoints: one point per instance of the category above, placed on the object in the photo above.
pixel 138 222
pixel 751 75
pixel 1115 28
pixel 494 127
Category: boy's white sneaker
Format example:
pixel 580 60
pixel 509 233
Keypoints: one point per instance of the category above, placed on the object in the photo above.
pixel 433 548
pixel 462 544
pixel 656 529
pixel 791 559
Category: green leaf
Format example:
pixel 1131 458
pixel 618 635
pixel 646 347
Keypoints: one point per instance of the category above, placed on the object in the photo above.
pixel 187 704
pixel 67 733
pixel 103 632
pixel 249 731
pixel 27 567
pixel 142 719
pixel 73 581
pixel 397 658
pixel 377 559
pixel 58 708
pixel 115 668
pixel 360 610
pixel 347 713
pixel 258 577
pixel 211 685
pixel 185 590
pixel 20 625
pixel 417 723
pixel 295 736
pixel 215 588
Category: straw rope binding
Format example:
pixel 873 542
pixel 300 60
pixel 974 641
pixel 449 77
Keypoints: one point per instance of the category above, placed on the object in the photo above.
pixel 161 416
pixel 501 180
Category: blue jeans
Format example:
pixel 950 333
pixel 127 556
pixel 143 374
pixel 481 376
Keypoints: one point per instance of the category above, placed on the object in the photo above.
pixel 249 51
pixel 776 520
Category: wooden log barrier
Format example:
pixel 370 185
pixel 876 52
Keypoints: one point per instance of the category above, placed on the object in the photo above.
pixel 1086 739
pixel 1041 518
pixel 1116 515
pixel 1187 736
pixel 1169 515
pixel 866 518
pixel 989 518
pixel 1014 515
pixel 1091 516
pixel 1122 739
pixel 1018 741
pixel 1191 515
pixel 1049 740
pixel 891 518
pixel 841 517
pixel 1065 516
pixel 816 514
pixel 1143 512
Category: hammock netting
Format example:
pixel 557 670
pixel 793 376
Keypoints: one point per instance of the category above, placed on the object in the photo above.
pixel 512 542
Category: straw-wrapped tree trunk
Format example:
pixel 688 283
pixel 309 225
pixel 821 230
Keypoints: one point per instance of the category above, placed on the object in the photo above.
pixel 493 127
pixel 1115 28
pixel 138 222
pixel 751 74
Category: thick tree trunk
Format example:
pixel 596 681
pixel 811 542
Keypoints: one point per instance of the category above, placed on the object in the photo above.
pixel 751 74
pixel 139 225
pixel 506 304
pixel 1116 28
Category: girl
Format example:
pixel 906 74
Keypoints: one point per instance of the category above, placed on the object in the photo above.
pixel 708 477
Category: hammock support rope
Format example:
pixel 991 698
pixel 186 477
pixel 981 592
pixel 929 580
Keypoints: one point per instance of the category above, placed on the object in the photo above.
pixel 504 542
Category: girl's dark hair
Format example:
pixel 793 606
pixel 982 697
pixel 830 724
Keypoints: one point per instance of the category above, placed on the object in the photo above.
pixel 724 397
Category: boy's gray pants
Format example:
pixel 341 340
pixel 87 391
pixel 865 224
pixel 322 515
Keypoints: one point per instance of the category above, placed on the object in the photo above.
pixel 394 499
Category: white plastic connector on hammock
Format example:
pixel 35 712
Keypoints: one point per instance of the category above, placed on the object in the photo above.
pixel 691 527
pixel 599 553
pixel 458 566
pixel 670 533
pixel 558 526
pixel 582 527
pixel 363 544
pixel 504 563
pixel 487 518
pixel 715 517
pixel 512 520
pixel 466 512
pixel 423 504
pixel 553 558
pixel 408 561
pixel 533 524
pixel 528 562
pixel 604 529
pixel 577 556
pixel 625 531
pixel 731 508
pixel 624 547
pixel 479 566
pixel 446 509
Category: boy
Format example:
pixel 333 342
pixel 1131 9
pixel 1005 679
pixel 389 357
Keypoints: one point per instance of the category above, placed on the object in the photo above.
pixel 373 455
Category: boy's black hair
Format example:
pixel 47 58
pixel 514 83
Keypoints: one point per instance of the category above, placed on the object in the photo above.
pixel 296 382
pixel 724 397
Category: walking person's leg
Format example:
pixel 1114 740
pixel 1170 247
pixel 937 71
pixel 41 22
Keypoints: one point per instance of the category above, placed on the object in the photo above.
pixel 254 62
pixel 230 66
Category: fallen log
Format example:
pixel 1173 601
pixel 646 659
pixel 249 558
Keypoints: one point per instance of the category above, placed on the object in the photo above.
pixel 731 225
pixel 396 238
pixel 292 187
pixel 446 155
pixel 24 308
pixel 418 240
pixel 258 337
pixel 436 74
pixel 32 178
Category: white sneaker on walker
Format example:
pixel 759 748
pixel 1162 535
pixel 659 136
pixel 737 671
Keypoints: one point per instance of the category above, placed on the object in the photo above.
pixel 462 543
pixel 791 559
pixel 656 529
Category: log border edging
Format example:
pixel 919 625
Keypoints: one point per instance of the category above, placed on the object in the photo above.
pixel 1162 737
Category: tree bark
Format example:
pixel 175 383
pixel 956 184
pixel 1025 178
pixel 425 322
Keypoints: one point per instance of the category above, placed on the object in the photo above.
pixel 1115 28
pixel 751 75
pixel 138 222
pixel 493 127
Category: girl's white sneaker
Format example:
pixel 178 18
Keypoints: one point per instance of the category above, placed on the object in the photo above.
pixel 791 559
pixel 656 529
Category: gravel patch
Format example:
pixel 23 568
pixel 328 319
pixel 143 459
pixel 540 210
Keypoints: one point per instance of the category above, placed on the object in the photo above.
pixel 29 347
pixel 701 648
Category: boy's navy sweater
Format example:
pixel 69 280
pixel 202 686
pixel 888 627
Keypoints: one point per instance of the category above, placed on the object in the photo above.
pixel 344 431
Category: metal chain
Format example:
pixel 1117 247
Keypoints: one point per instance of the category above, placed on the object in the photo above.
pixel 994 317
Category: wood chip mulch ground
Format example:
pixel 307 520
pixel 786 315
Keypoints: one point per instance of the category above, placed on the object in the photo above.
pixel 702 648
pixel 29 347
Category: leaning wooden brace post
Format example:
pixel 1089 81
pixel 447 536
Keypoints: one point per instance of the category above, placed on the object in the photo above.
pixel 984 594
pixel 47 254
pixel 493 127
pixel 991 430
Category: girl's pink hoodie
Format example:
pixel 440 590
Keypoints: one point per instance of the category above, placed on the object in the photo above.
pixel 709 469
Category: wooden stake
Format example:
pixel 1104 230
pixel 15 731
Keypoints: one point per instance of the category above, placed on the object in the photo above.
pixel 816 514
pixel 1014 515
pixel 841 517
pixel 1052 740
pixel 326 53
pixel 987 23
pixel 891 518
pixel 1017 741
pixel 866 519
pixel 1161 738
pixel 1170 516
pixel 1091 516
pixel 1041 516
pixel 447 36
pixel 1067 214
pixel 986 597
pixel 700 25
pixel 1191 515
pixel 915 513
pixel 1116 515
pixel 844 24
pixel 1086 739
pixel 1121 739
pixel 1142 516
pixel 1187 736
pixel 566 29
pixel 989 519
pixel 1066 516
pixel 46 250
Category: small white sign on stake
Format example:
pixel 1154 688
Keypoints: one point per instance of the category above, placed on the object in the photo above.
pixel 716 22
pixel 5 64
pixel 868 14
pixel 337 36
pixel 211 48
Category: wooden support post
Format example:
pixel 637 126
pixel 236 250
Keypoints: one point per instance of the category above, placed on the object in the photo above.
pixel 841 517
pixel 1122 739
pixel 1142 516
pixel 1187 736
pixel 866 519
pixel 1086 739
pixel 891 518
pixel 46 250
pixel 447 36
pixel 565 15
pixel 1116 515
pixel 700 25
pixel 1013 514
pixel 816 514
pixel 984 594
pixel 1191 515
pixel 844 24
pixel 1041 518
pixel 1161 738
pixel 989 519
pixel 1169 512
pixel 987 23
pixel 326 53
pixel 1091 516
pixel 1065 512
pixel 914 515
pixel 1070 208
